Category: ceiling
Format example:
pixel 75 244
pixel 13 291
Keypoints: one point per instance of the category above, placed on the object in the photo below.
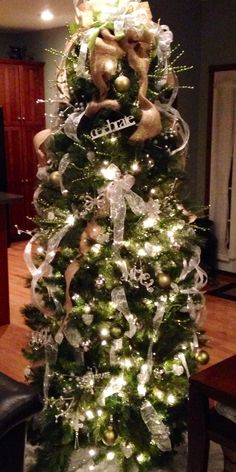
pixel 24 15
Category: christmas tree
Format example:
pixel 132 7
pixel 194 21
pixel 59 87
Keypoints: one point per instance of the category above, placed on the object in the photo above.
pixel 116 282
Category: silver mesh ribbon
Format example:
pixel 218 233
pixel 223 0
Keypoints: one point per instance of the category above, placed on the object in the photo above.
pixel 154 422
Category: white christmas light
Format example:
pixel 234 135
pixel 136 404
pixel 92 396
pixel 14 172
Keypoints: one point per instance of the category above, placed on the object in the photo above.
pixel 171 399
pixel 104 342
pixel 92 452
pixel 46 15
pixel 135 167
pixel 99 412
pixel 104 332
pixel 149 222
pixel 70 220
pixel 40 250
pixel 87 308
pixel 113 139
pixel 110 173
pixel 126 363
pixel 159 394
pixel 89 414
pixel 96 248
pixel 141 252
pixel 141 458
pixel 110 456
pixel 141 390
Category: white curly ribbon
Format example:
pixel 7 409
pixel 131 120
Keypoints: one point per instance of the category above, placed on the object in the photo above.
pixel 154 422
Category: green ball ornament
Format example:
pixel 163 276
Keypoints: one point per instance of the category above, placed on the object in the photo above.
pixel 109 436
pixel 122 83
pixel 163 280
pixel 202 356
pixel 55 178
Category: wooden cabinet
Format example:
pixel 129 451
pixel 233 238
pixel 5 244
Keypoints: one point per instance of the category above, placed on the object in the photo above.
pixel 22 84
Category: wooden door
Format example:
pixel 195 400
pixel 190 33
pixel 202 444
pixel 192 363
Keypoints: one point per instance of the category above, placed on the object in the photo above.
pixel 31 90
pixel 10 93
pixel 22 84
pixel 15 177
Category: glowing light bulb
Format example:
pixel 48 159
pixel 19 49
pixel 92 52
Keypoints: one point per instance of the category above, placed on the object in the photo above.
pixel 92 452
pixel 171 399
pixel 141 390
pixel 113 139
pixel 104 332
pixel 46 15
pixel 40 250
pixel 159 394
pixel 96 248
pixel 126 363
pixel 70 220
pixel 89 414
pixel 149 222
pixel 110 173
pixel 141 252
pixel 110 456
pixel 141 458
pixel 135 167
pixel 99 412
pixel 87 308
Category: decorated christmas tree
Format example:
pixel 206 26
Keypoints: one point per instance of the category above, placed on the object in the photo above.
pixel 114 260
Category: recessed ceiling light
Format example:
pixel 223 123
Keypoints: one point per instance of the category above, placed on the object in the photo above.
pixel 46 15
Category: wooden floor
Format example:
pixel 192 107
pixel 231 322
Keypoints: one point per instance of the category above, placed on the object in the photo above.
pixel 220 320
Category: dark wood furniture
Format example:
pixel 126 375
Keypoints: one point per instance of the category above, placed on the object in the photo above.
pixel 18 402
pixel 5 199
pixel 22 84
pixel 218 383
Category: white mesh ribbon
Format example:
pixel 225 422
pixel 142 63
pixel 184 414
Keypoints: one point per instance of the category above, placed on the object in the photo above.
pixel 115 385
pixel 191 265
pixel 178 125
pixel 45 269
pixel 118 297
pixel 71 125
pixel 154 422
pixel 118 191
pixel 115 348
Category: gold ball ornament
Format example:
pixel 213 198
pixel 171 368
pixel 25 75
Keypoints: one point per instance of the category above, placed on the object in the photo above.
pixel 122 83
pixel 109 436
pixel 202 356
pixel 163 280
pixel 116 332
pixel 55 178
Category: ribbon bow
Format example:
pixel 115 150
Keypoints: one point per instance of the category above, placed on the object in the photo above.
pixel 118 191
